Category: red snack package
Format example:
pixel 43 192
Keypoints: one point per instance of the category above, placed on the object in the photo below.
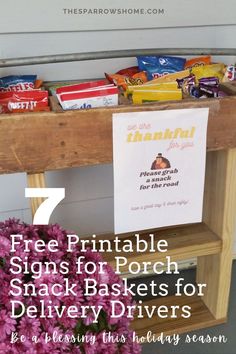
pixel 102 96
pixel 80 87
pixel 24 101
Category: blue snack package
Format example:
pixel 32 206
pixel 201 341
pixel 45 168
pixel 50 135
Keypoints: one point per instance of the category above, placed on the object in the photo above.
pixel 17 82
pixel 157 66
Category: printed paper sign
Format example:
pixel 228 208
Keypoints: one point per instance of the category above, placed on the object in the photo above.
pixel 159 168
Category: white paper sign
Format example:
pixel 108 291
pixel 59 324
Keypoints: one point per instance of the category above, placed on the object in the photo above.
pixel 159 168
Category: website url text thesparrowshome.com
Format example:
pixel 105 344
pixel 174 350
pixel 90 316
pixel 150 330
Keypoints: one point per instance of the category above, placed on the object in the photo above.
pixel 112 11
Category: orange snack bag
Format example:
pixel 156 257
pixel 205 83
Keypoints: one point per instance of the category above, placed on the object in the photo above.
pixel 125 81
pixel 38 84
pixel 199 61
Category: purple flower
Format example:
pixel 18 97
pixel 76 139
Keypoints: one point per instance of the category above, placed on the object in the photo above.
pixel 7 325
pixel 58 330
pixel 5 246
pixel 29 327
pixel 6 349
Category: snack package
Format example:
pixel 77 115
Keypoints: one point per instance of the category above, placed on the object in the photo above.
pixel 125 81
pixel 82 86
pixel 230 73
pixel 128 71
pixel 169 78
pixel 53 86
pixel 38 84
pixel 24 101
pixel 199 61
pixel 140 97
pixel 189 78
pixel 209 81
pixel 213 70
pixel 222 94
pixel 91 86
pixel 162 87
pixel 208 91
pixel 98 97
pixel 157 66
pixel 186 84
pixel 17 83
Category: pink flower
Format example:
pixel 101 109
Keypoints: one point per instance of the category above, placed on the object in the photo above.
pixel 5 246
pixel 7 325
pixel 41 327
pixel 31 351
pixel 29 327
pixel 44 348
pixel 76 350
pixel 6 349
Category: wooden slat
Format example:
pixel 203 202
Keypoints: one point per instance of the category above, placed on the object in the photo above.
pixel 36 181
pixel 184 242
pixel 220 216
pixel 36 142
pixel 55 105
pixel 201 317
pixel 229 88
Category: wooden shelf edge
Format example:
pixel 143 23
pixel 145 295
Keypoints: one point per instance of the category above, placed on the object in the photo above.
pixel 84 137
pixel 201 318
pixel 184 242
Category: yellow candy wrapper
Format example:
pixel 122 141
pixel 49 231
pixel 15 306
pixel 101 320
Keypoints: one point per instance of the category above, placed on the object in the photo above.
pixel 164 87
pixel 140 97
pixel 168 78
pixel 213 70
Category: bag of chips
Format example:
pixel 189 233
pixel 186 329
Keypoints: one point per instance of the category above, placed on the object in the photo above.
pixel 24 101
pixel 157 66
pixel 123 81
pixel 200 61
pixel 128 71
pixel 17 83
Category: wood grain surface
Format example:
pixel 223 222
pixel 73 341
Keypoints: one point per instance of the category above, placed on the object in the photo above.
pixel 36 181
pixel 184 242
pixel 36 142
pixel 220 216
pixel 201 317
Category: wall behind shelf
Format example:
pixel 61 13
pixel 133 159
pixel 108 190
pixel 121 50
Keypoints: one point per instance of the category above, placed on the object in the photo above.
pixel 87 15
pixel 88 207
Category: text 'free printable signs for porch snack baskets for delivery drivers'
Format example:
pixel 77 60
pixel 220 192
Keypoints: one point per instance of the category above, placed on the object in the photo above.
pixel 159 168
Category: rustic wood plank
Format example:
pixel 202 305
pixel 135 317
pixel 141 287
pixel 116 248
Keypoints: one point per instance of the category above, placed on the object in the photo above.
pixel 55 105
pixel 201 317
pixel 184 242
pixel 220 216
pixel 44 141
pixel 36 181
pixel 229 88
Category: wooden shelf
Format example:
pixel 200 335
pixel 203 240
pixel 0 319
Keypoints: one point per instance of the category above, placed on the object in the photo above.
pixel 38 142
pixel 184 242
pixel 201 317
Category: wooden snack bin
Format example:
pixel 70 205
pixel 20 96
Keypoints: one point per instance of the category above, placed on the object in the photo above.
pixel 39 142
